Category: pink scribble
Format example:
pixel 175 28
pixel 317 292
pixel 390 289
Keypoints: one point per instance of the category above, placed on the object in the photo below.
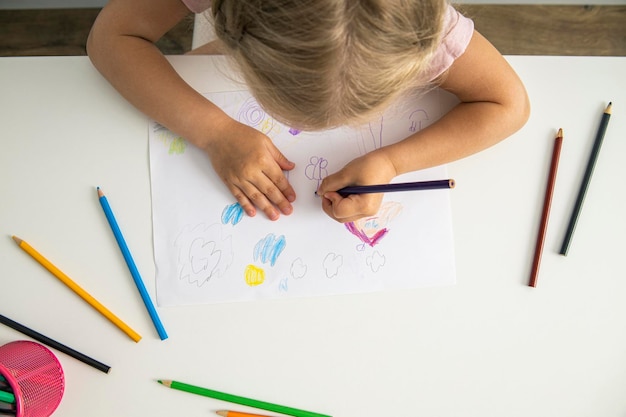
pixel 370 240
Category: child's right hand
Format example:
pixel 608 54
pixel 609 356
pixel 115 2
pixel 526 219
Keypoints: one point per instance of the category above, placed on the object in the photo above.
pixel 252 167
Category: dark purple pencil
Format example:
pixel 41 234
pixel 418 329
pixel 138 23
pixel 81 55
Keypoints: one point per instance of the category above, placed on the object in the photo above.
pixel 402 186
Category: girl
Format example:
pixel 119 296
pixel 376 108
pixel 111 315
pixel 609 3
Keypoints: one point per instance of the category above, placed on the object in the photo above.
pixel 315 65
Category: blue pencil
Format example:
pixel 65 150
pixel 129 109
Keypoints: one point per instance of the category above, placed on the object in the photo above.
pixel 131 265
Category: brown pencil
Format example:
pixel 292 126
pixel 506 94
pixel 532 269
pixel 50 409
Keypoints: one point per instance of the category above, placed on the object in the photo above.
pixel 541 235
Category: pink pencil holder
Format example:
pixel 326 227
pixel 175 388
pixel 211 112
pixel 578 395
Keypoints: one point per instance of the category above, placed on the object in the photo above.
pixel 35 376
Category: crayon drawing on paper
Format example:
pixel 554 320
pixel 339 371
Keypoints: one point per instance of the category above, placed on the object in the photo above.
pixel 207 250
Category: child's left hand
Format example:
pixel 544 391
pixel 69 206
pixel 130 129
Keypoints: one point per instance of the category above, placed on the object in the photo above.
pixel 372 168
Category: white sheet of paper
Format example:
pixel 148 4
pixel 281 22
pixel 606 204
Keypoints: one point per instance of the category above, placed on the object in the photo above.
pixel 208 251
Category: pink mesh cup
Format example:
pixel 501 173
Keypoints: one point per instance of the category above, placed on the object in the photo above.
pixel 35 375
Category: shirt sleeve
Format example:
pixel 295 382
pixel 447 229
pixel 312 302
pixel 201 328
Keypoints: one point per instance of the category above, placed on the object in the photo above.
pixel 197 6
pixel 457 33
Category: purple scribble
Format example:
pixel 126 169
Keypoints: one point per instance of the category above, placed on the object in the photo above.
pixel 416 119
pixel 377 133
pixel 316 169
pixel 294 131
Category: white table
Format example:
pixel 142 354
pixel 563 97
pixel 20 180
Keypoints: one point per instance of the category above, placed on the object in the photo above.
pixel 488 346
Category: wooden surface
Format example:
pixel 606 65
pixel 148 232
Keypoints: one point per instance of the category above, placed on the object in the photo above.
pixel 552 30
pixel 64 32
pixel 513 29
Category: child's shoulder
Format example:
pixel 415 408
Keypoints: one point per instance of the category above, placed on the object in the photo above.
pixel 457 33
pixel 197 6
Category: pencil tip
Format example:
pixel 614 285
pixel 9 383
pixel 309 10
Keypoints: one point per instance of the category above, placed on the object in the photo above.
pixel 100 193
pixel 609 107
pixel 17 239
pixel 560 133
pixel 165 382
pixel 222 413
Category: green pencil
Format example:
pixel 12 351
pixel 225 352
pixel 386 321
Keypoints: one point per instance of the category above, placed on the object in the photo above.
pixel 7 397
pixel 240 400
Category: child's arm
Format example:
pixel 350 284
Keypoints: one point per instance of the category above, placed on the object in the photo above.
pixel 493 106
pixel 121 46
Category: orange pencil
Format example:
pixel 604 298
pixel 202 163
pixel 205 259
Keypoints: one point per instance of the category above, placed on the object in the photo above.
pixel 225 413
pixel 556 153
pixel 89 299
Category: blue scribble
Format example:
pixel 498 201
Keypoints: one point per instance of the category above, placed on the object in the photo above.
pixel 268 248
pixel 232 214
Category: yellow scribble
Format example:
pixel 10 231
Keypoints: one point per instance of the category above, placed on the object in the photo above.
pixel 177 146
pixel 254 275
pixel 270 127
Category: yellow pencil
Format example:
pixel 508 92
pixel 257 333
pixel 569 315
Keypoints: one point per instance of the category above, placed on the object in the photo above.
pixel 77 289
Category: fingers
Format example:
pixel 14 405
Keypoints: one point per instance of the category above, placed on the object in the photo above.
pixel 272 194
pixel 283 162
pixel 253 170
pixel 352 207
pixel 332 182
pixel 280 184
pixel 269 190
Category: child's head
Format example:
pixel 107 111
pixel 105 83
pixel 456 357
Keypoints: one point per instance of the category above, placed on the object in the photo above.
pixel 315 64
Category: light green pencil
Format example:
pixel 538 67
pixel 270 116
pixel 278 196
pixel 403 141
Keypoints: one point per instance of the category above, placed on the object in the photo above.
pixel 235 399
pixel 7 397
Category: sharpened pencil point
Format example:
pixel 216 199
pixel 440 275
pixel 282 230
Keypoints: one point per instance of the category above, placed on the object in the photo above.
pixel 609 108
pixel 165 382
pixel 100 193
pixel 222 413
pixel 560 133
pixel 17 240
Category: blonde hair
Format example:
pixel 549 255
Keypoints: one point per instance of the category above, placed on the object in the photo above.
pixel 317 64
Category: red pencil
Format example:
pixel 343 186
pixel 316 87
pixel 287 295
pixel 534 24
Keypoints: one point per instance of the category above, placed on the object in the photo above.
pixel 556 153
